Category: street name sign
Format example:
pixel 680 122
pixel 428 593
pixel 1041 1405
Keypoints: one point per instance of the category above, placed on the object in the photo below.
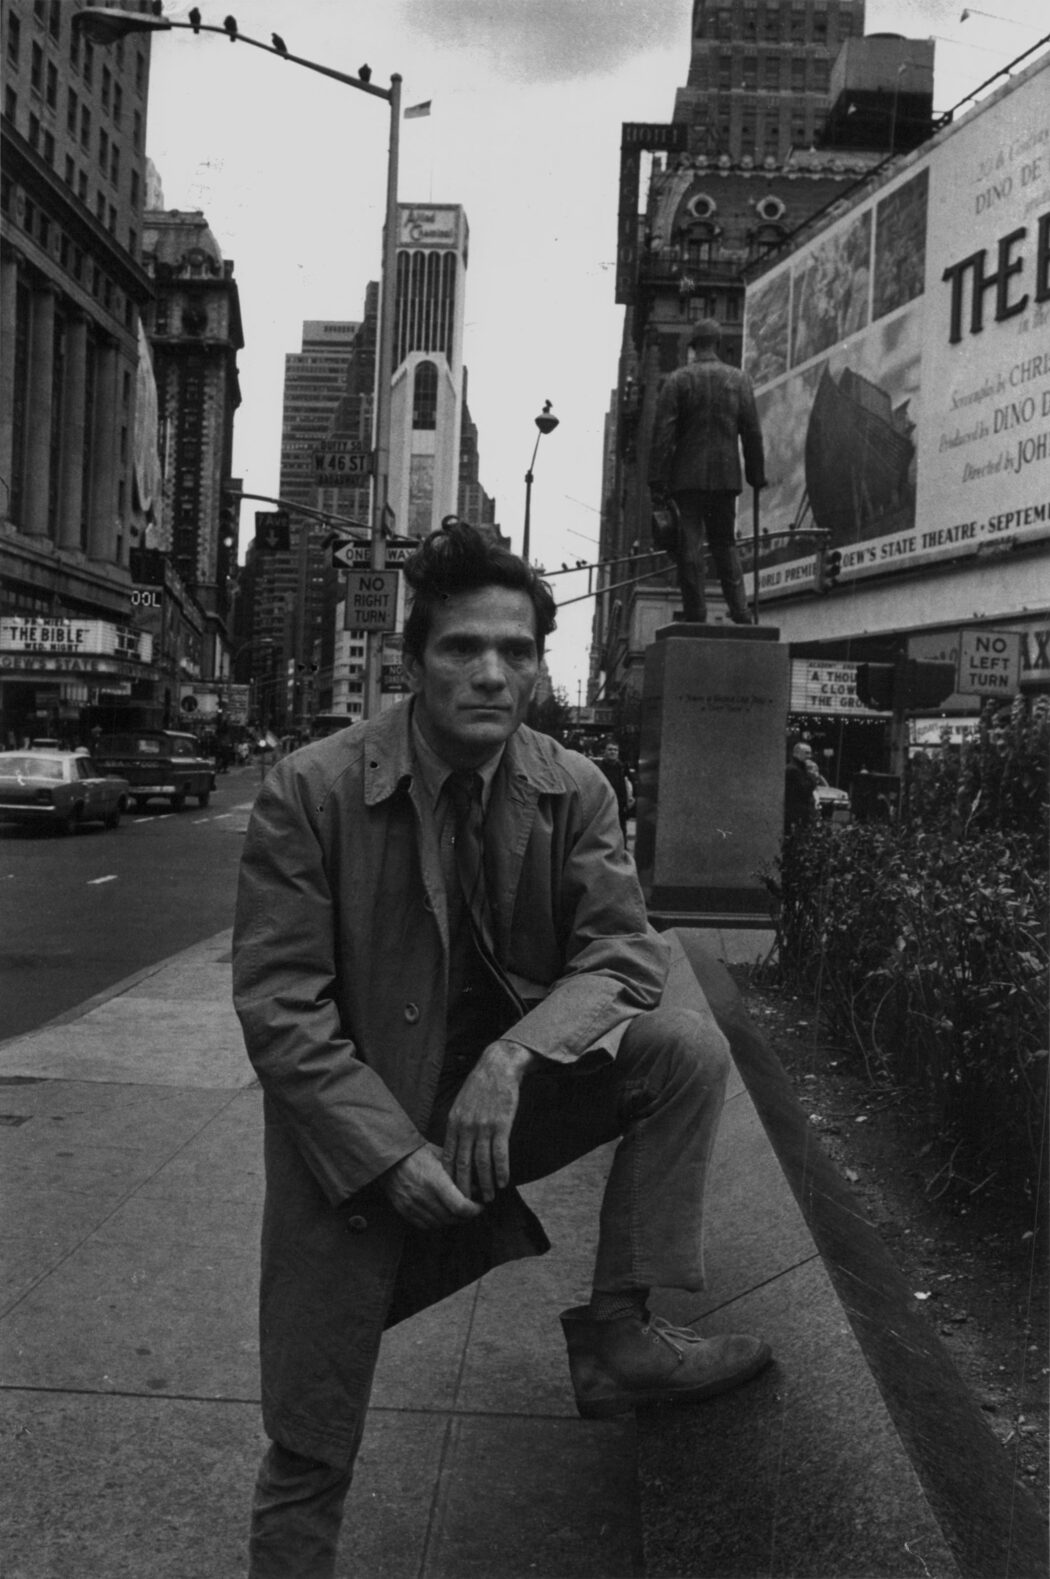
pixel 342 463
pixel 371 600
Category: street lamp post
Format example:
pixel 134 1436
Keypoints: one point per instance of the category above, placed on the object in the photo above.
pixel 106 27
pixel 546 422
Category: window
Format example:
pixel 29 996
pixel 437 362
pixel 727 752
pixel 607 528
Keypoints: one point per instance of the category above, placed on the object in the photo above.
pixel 118 103
pixel 424 400
pixel 140 72
pixel 134 190
pixel 107 86
pixel 82 186
pixel 34 131
pixel 112 219
pixel 71 171
pixel 49 147
pixel 103 150
pixel 85 125
pixel 11 104
pixel 136 129
pixel 100 208
pixel 14 40
pixel 54 21
pixel 89 61
pixel 71 113
pixel 114 164
pixel 133 242
pixel 798 76
pixel 772 72
pixel 51 96
pixel 36 69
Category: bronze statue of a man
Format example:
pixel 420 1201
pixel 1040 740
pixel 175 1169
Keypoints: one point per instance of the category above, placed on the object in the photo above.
pixel 705 413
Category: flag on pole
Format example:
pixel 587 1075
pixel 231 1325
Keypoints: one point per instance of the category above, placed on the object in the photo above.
pixel 414 111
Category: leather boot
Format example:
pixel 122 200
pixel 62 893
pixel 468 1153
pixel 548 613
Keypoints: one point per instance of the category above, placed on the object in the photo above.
pixel 727 564
pixel 616 1365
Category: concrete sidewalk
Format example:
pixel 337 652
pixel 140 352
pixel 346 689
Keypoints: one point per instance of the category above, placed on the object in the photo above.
pixel 131 1175
pixel 130 1139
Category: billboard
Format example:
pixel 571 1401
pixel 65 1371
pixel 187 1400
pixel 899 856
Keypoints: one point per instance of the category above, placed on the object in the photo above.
pixel 901 358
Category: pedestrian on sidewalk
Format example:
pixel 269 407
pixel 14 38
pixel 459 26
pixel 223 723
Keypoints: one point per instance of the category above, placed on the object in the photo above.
pixel 618 777
pixel 705 414
pixel 448 987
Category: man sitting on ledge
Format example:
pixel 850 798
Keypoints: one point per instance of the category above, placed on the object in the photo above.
pixel 448 987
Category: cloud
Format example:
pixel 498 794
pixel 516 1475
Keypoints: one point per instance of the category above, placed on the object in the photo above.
pixel 551 40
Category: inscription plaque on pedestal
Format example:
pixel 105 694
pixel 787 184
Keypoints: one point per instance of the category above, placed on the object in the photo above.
pixel 711 773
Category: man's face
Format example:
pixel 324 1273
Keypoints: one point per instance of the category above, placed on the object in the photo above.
pixel 477 674
pixel 612 753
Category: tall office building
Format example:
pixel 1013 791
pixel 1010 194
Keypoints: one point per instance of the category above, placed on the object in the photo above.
pixel 194 329
pixel 288 586
pixel 475 505
pixel 78 468
pixel 760 71
pixel 427 393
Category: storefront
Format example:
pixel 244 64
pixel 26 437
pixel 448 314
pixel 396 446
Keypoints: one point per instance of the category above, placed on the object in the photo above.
pixel 54 672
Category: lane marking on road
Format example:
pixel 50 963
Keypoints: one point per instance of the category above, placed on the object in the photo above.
pixel 94 881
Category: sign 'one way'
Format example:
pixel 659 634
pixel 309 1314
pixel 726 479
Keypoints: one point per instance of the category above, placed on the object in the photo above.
pixel 358 556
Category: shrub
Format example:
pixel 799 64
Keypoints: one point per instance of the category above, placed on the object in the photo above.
pixel 924 943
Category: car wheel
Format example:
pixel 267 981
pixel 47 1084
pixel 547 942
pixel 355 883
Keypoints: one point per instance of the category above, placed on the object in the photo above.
pixel 204 797
pixel 178 801
pixel 140 803
pixel 113 820
pixel 71 821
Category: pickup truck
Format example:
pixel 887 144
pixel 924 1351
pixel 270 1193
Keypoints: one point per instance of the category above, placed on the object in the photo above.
pixel 158 762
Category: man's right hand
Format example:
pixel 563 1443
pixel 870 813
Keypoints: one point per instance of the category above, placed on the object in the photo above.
pixel 420 1190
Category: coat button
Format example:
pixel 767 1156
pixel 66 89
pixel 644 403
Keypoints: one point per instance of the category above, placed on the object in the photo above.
pixel 412 1013
pixel 356 1224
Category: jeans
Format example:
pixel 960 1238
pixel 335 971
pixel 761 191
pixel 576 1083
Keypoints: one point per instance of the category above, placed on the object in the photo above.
pixel 662 1097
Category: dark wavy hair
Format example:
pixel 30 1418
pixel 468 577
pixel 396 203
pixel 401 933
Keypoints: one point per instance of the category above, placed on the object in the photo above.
pixel 458 558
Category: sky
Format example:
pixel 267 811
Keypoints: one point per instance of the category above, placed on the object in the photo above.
pixel 527 97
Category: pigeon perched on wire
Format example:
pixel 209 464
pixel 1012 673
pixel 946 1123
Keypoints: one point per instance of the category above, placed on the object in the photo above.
pixel 279 44
pixel 195 20
pixel 364 73
pixel 230 24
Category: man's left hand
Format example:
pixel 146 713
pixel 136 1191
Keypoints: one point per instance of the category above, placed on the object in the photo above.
pixel 477 1140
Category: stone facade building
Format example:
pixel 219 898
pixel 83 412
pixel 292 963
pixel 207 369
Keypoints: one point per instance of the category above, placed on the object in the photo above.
pixel 194 328
pixel 77 457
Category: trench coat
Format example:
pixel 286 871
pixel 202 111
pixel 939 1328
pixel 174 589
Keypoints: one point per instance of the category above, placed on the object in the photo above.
pixel 705 412
pixel 341 957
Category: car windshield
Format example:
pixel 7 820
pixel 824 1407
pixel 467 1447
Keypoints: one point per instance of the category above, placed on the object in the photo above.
pixel 32 767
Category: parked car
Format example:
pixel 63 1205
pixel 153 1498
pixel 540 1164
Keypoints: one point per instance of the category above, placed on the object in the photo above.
pixel 832 804
pixel 64 788
pixel 158 762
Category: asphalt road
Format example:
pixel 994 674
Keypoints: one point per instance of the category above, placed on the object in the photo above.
pixel 79 913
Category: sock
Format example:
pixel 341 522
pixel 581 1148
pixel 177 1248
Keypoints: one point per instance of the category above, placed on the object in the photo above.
pixel 619 1305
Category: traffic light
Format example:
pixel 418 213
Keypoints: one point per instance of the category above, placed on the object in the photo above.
pixel 927 684
pixel 229 517
pixel 829 568
pixel 875 685
pixel 906 686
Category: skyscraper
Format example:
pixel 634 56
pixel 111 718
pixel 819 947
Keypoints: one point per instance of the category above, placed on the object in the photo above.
pixel 759 72
pixel 427 395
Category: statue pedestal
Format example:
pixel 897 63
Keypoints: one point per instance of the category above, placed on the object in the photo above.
pixel 711 773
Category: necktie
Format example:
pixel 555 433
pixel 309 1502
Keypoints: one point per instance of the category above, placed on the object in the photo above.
pixel 465 794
